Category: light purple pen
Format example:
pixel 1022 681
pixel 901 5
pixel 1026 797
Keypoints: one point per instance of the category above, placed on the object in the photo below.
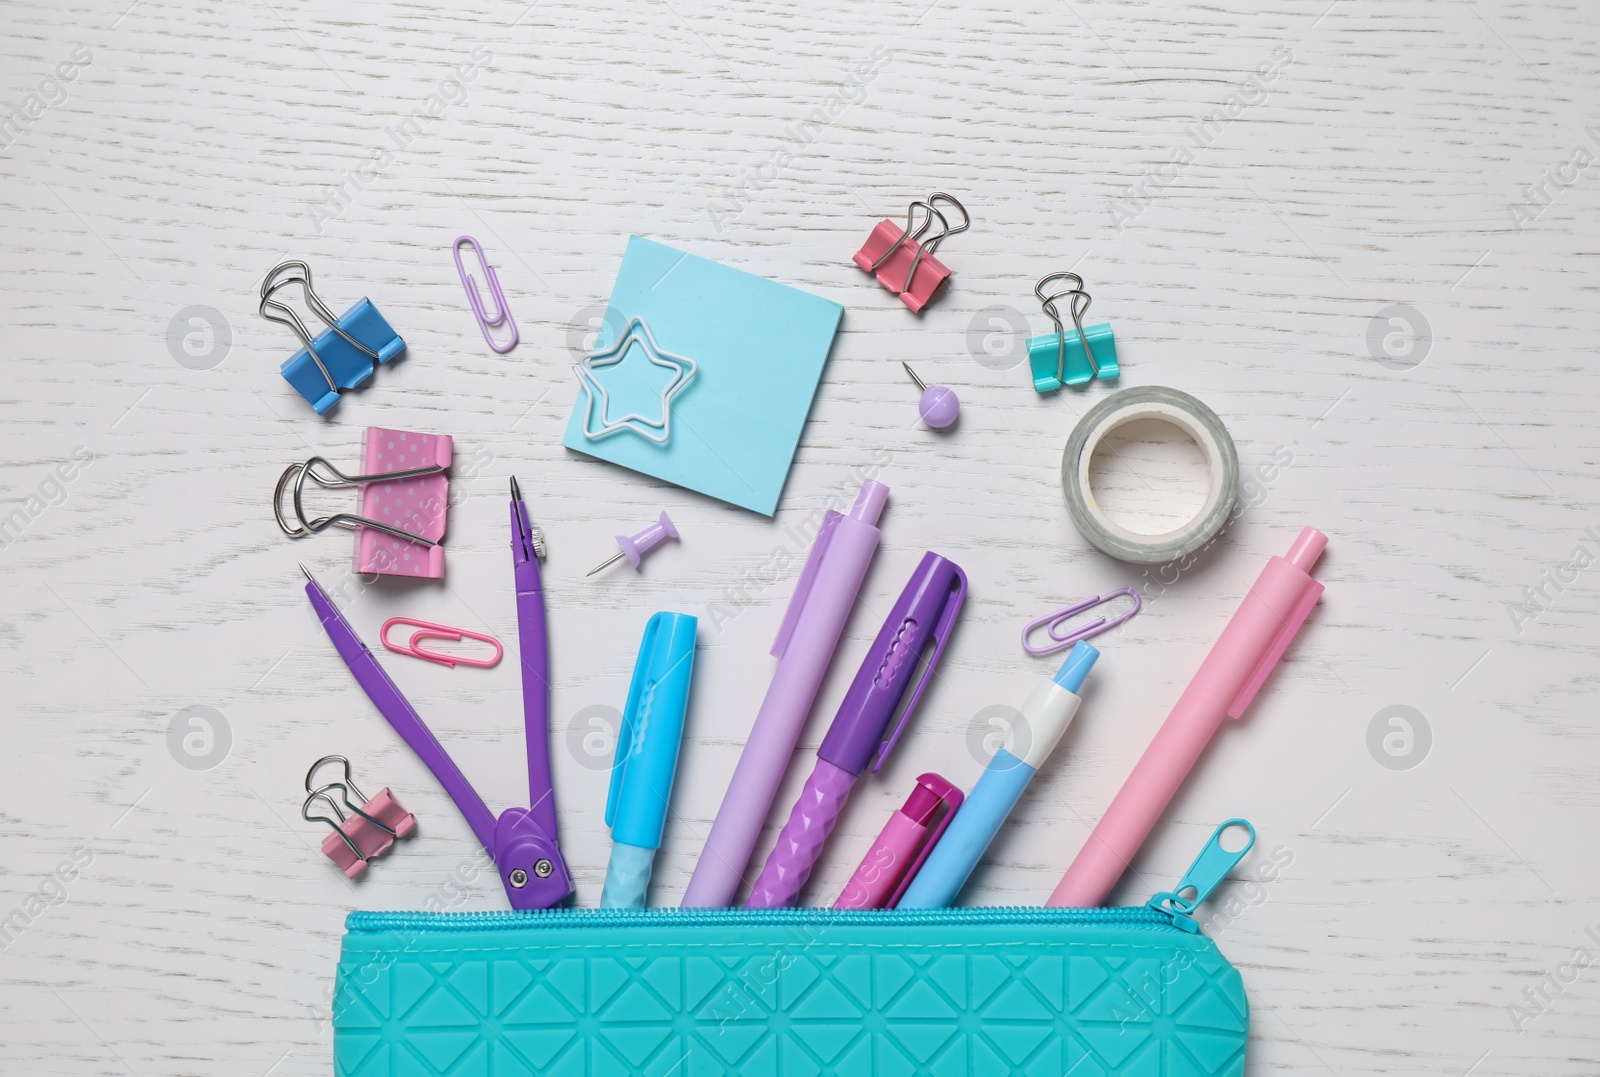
pixel 806 640
pixel 920 623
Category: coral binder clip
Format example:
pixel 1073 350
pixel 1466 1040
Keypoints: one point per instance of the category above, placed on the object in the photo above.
pixel 361 833
pixel 1055 620
pixel 428 630
pixel 491 280
pixel 902 258
pixel 405 497
pixel 1058 359
pixel 343 355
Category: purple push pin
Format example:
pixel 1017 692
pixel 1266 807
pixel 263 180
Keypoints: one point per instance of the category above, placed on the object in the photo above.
pixel 635 547
pixel 939 406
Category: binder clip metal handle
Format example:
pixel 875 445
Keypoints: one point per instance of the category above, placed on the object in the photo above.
pixel 336 480
pixel 1080 306
pixel 347 780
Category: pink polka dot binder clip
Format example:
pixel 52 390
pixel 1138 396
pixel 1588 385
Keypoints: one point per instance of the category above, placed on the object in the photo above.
pixel 405 496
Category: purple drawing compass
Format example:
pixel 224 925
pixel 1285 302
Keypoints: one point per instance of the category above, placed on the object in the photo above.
pixel 523 841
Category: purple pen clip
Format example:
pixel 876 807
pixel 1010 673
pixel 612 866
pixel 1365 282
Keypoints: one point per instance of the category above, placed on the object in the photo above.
pixel 868 506
pixel 942 629
pixel 950 797
pixel 808 576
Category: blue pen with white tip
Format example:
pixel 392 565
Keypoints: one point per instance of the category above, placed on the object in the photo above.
pixel 1043 722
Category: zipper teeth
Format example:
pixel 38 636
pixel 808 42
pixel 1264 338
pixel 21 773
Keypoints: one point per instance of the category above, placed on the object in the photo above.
pixel 1131 915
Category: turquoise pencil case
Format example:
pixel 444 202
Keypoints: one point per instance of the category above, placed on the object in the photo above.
pixel 1134 990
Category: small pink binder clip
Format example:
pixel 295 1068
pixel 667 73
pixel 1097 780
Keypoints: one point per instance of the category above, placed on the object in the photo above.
pixel 365 832
pixel 902 258
pixel 429 630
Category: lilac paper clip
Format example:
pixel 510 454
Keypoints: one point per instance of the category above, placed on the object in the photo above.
pixel 1057 618
pixel 491 280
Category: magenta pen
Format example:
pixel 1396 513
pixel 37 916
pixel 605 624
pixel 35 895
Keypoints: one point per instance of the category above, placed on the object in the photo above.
pixel 903 845
pixel 919 624
pixel 806 641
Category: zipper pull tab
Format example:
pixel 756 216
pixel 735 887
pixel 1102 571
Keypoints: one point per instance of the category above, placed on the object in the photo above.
pixel 1203 876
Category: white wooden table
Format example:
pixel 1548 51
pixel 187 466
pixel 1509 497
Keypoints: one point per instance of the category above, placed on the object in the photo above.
pixel 159 159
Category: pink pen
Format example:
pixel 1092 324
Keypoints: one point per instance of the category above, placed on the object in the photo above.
pixel 894 858
pixel 1228 680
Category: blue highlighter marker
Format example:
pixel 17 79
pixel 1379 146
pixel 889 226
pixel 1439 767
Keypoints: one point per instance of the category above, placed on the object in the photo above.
pixel 1045 717
pixel 647 756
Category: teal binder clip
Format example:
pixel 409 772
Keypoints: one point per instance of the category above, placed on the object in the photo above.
pixel 1058 359
pixel 342 356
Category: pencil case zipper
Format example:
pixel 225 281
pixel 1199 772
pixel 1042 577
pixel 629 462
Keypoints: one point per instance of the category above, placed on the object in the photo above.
pixel 1132 916
pixel 1170 910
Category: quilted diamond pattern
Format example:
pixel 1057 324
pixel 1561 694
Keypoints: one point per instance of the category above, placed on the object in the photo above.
pixel 764 1000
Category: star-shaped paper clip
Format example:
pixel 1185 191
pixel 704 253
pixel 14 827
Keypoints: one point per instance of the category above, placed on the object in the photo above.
pixel 637 331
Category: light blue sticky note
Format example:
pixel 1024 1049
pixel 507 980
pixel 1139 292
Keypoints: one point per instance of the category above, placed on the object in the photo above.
pixel 760 348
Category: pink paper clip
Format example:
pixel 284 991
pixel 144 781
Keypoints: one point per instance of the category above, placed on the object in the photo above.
pixel 902 258
pixel 429 630
pixel 1093 628
pixel 365 832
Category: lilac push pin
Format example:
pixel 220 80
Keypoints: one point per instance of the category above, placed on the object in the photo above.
pixel 637 546
pixel 939 406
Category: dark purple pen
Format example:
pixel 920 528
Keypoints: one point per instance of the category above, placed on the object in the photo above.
pixel 923 616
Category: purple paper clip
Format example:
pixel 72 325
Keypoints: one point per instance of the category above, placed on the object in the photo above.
pixel 1093 628
pixel 502 313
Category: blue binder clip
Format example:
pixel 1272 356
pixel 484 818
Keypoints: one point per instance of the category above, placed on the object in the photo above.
pixel 1058 359
pixel 342 356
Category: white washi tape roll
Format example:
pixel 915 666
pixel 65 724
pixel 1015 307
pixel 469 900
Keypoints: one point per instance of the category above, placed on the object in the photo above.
pixel 1177 409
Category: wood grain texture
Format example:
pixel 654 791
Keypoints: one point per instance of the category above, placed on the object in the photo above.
pixel 1380 166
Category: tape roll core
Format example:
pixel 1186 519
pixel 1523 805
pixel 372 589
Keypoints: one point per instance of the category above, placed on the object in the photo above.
pixel 1174 408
